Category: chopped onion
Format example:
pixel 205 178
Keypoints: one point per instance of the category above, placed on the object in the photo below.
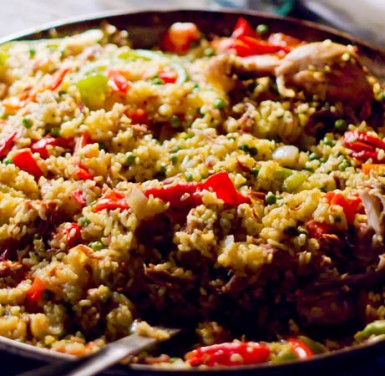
pixel 286 155
pixel 373 211
pixel 138 203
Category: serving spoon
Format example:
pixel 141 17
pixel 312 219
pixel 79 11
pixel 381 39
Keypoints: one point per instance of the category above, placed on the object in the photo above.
pixel 106 357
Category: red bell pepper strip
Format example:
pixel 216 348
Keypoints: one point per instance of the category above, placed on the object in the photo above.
pixel 58 79
pixel 81 171
pixel 243 29
pixel 363 145
pixel 6 144
pixel 81 141
pixel 24 160
pixel 72 234
pixel 111 200
pixel 138 116
pixel 41 145
pixel 119 81
pixel 219 183
pixel 36 290
pixel 229 354
pixel 260 47
pixel 350 206
pixel 300 348
pixel 168 76
pixel 79 197
pixel 317 229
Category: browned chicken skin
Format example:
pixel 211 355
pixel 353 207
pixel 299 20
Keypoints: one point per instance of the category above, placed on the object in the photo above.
pixel 328 70
pixel 325 70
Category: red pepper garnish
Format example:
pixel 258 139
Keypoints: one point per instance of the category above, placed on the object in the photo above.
pixel 119 81
pixel 246 42
pixel 36 290
pixel 243 29
pixel 58 79
pixel 41 146
pixel 81 141
pixel 138 116
pixel 168 76
pixel 219 183
pixel 350 205
pixel 260 47
pixel 111 200
pixel 72 234
pixel 6 144
pixel 82 172
pixel 229 354
pixel 300 348
pixel 25 161
pixel 79 197
pixel 317 229
pixel 363 145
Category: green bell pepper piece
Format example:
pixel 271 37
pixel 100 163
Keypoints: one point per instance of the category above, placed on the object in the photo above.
pixel 375 328
pixel 93 89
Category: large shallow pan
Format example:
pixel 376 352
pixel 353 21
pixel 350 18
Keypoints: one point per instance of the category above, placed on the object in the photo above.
pixel 145 29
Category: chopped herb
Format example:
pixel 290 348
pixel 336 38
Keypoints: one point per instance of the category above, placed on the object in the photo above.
pixel 27 123
pixel 32 53
pixel 130 159
pixel 291 231
pixel 7 161
pixel 196 87
pixel 175 121
pixel 188 176
pixel 327 141
pixel 270 198
pixel 55 132
pixel 36 236
pixel 208 52
pixel 313 157
pixel 156 80
pixel 84 221
pixel 247 149
pixel 102 146
pixel 254 171
pixel 219 103
pixel 174 159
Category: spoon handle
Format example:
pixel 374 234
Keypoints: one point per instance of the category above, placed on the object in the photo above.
pixel 109 355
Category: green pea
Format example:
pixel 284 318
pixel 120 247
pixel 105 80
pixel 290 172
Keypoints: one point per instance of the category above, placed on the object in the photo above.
pixel 313 157
pixel 219 103
pixel 27 123
pixel 262 29
pixel 270 198
pixel 130 159
pixel 340 124
pixel 344 165
pixel 96 246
